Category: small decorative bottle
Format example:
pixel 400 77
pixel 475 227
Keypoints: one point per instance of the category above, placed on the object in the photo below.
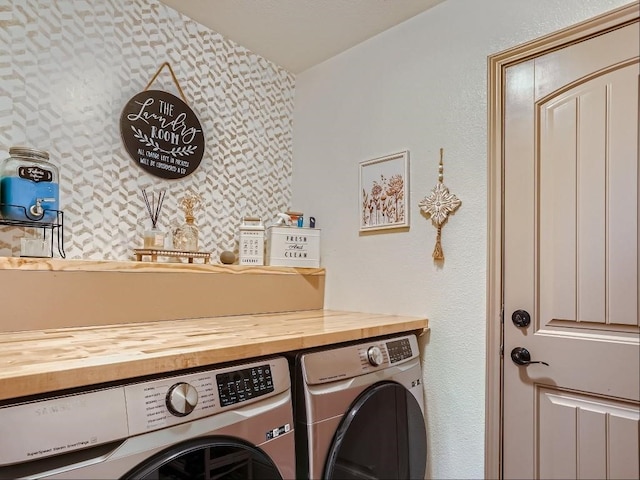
pixel 185 236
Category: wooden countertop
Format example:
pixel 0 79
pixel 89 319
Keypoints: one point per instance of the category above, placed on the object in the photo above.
pixel 39 361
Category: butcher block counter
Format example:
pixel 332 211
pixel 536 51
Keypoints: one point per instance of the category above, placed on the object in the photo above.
pixel 46 360
pixel 74 323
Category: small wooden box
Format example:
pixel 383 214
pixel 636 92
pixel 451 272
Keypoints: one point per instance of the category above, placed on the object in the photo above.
pixel 293 247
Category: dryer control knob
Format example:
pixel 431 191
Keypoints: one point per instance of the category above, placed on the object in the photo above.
pixel 374 355
pixel 182 398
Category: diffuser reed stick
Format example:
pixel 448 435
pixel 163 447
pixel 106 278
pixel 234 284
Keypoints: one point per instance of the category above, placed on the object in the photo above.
pixel 153 207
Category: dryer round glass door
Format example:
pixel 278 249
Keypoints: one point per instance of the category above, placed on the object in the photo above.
pixel 382 436
pixel 213 457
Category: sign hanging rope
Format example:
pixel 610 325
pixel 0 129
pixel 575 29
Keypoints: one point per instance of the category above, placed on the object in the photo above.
pixel 173 76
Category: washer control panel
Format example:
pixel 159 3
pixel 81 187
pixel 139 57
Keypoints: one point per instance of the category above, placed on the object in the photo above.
pixel 241 385
pixel 169 401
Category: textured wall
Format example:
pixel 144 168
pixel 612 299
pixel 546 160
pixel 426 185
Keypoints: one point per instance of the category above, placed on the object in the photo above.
pixel 68 68
pixel 419 86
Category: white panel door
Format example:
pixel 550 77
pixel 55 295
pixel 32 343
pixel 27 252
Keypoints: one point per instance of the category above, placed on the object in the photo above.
pixel 571 261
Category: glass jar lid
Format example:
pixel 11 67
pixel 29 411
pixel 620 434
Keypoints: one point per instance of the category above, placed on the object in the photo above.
pixel 29 152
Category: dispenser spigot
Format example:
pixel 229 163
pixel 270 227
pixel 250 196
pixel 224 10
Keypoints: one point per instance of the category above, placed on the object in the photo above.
pixel 36 210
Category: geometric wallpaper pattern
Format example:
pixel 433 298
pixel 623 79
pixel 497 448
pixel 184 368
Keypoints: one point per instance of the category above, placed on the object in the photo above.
pixel 68 68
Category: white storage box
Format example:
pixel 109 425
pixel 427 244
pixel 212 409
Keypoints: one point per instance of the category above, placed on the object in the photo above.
pixel 293 246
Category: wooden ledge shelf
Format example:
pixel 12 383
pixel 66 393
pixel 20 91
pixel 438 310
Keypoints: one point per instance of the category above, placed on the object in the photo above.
pixel 61 265
pixel 55 293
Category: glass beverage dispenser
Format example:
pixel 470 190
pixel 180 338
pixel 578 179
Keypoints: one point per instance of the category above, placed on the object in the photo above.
pixel 29 186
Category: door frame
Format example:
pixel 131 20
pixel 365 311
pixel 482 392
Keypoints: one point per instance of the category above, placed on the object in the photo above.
pixel 496 67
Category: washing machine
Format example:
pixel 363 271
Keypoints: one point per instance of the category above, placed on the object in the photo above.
pixel 359 411
pixel 225 422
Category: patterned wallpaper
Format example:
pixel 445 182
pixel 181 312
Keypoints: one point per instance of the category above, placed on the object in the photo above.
pixel 67 69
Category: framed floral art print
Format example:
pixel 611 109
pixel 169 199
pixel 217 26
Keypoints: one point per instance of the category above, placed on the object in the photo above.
pixel 384 192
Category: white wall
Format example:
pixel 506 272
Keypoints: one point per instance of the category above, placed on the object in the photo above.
pixel 419 86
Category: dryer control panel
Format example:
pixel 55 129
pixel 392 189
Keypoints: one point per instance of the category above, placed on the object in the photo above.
pixel 354 360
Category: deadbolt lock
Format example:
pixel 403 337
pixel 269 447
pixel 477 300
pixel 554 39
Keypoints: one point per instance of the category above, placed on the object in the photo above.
pixel 521 318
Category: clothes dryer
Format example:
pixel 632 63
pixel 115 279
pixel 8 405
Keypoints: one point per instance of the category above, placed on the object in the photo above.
pixel 359 411
pixel 225 422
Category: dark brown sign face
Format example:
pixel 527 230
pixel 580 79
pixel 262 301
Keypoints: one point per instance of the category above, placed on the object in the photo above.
pixel 162 134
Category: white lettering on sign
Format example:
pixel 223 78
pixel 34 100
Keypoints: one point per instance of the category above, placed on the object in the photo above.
pixel 165 135
pixel 186 134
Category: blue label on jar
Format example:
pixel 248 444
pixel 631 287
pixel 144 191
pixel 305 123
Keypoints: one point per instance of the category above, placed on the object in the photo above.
pixel 35 174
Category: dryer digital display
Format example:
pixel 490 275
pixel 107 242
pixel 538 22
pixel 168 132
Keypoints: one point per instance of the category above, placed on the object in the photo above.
pixel 399 350
pixel 241 385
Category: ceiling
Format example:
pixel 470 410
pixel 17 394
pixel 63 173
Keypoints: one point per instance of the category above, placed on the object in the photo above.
pixel 298 34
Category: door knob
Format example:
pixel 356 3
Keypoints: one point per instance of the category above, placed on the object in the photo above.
pixel 521 356
pixel 521 318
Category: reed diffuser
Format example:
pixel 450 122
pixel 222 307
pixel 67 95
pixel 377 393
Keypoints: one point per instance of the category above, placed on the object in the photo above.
pixel 154 237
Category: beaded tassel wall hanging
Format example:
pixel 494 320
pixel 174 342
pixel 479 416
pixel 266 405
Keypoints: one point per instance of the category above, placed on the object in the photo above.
pixel 438 205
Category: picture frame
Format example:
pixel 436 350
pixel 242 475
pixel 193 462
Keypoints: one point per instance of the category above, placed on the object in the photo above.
pixel 384 192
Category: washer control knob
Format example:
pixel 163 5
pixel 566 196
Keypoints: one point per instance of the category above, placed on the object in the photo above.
pixel 182 398
pixel 374 355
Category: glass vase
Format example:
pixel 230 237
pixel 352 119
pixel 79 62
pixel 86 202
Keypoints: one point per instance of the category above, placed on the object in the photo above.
pixel 185 236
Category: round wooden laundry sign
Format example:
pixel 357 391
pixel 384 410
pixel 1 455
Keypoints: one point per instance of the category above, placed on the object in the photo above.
pixel 162 134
